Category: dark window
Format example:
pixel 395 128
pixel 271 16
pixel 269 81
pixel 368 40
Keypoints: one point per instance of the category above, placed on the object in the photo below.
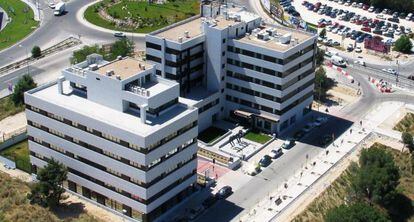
pixel 153 58
pixel 153 46
pixel 172 51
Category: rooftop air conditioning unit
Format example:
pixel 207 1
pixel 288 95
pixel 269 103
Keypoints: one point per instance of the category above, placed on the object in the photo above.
pixel 180 39
pixel 271 31
pixel 285 39
pixel 118 77
pixel 93 67
pixel 238 18
pixel 110 72
pixel 263 36
pixel 187 34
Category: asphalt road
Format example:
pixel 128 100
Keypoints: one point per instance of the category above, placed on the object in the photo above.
pixel 57 28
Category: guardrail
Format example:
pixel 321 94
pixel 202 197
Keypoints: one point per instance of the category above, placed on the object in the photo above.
pixel 67 43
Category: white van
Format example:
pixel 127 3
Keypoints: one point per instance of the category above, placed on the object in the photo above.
pixel 338 61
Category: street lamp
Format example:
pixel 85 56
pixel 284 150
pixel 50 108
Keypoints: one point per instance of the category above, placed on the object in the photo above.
pixel 27 58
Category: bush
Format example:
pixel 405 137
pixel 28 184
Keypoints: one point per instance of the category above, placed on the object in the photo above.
pixel 322 34
pixel 24 84
pixel 355 212
pixel 403 44
pixel 36 52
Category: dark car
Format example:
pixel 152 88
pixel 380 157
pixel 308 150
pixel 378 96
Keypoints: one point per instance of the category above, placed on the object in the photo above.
pixel 396 20
pixel 209 201
pixel 224 192
pixel 265 161
pixel 411 77
pixel 325 140
pixel 276 153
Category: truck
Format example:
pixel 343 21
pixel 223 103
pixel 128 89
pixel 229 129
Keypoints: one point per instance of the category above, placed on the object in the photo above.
pixel 59 8
pixel 338 61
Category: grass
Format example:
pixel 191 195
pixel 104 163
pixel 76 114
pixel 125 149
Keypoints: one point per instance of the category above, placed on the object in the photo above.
pixel 406 124
pixel 7 107
pixel 14 205
pixel 337 192
pixel 257 137
pixel 21 25
pixel 152 17
pixel 19 153
pixel 210 134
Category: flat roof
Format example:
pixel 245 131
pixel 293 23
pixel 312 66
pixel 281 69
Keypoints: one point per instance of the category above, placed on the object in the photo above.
pixel 196 95
pixel 125 67
pixel 128 121
pixel 193 27
pixel 274 43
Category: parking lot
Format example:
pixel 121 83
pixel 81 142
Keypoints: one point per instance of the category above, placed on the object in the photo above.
pixel 348 26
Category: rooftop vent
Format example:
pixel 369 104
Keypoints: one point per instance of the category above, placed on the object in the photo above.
pixel 143 67
pixel 238 18
pixel 119 57
pixel 263 36
pixel 187 34
pixel 93 67
pixel 271 31
pixel 285 39
pixel 180 39
pixel 110 72
pixel 118 77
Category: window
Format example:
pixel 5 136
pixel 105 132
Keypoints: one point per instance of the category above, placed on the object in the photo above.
pixel 224 41
pixel 153 58
pixel 153 46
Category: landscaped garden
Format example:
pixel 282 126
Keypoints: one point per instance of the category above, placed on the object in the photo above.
pixel 378 174
pixel 19 153
pixel 257 137
pixel 140 16
pixel 8 108
pixel 210 134
pixel 406 124
pixel 21 25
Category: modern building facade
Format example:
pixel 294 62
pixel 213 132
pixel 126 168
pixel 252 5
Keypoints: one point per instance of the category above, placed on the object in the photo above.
pixel 231 64
pixel 128 143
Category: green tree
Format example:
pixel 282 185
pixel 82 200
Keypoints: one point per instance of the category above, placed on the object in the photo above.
pixel 356 212
pixel 122 47
pixel 36 52
pixel 25 83
pixel 322 34
pixel 322 84
pixel 403 44
pixel 80 55
pixel 49 190
pixel 407 139
pixel 320 56
pixel 377 176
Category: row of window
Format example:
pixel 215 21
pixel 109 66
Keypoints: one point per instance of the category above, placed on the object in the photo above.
pixel 118 141
pixel 118 190
pixel 265 108
pixel 111 155
pixel 270 58
pixel 208 106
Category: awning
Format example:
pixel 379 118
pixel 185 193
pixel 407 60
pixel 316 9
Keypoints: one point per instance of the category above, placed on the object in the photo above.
pixel 243 113
pixel 268 117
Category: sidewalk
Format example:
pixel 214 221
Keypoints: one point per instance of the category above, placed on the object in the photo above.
pixel 35 8
pixel 274 205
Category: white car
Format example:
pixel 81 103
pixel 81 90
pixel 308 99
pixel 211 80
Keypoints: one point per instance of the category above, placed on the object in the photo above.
pixel 380 17
pixel 390 71
pixel 52 5
pixel 397 32
pixel 359 62
pixel 371 9
pixel 335 30
pixel 320 121
pixel 358 49
pixel 354 4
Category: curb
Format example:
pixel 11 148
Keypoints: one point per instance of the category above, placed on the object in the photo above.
pixel 80 16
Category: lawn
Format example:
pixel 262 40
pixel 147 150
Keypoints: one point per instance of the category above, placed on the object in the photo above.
pixel 337 192
pixel 406 124
pixel 20 154
pixel 210 134
pixel 257 137
pixel 14 205
pixel 150 17
pixel 7 107
pixel 22 23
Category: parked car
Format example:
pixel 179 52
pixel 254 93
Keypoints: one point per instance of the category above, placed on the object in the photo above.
pixel 274 154
pixel 411 77
pixel 224 192
pixel 320 121
pixel 359 62
pixel 119 35
pixel 209 201
pixel 326 140
pixel 390 71
pixel 358 49
pixel 350 48
pixel 265 161
pixel 287 144
pixel 308 127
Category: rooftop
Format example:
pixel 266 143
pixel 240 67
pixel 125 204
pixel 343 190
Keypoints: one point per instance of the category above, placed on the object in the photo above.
pixel 274 41
pixel 193 28
pixel 124 68
pixel 127 121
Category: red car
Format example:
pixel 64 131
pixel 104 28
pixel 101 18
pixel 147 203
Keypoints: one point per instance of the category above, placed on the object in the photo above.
pixel 366 29
pixel 304 2
pixel 321 25
pixel 318 4
pixel 358 22
pixel 365 7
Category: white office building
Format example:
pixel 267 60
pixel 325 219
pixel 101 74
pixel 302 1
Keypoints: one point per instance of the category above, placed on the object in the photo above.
pixel 230 64
pixel 127 141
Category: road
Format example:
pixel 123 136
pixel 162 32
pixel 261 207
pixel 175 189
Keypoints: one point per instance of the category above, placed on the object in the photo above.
pixel 55 29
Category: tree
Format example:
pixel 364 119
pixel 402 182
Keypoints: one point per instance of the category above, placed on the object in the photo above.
pixel 49 190
pixel 377 176
pixel 25 83
pixel 80 55
pixel 407 139
pixel 123 47
pixel 356 212
pixel 320 56
pixel 322 34
pixel 322 83
pixel 36 52
pixel 403 44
